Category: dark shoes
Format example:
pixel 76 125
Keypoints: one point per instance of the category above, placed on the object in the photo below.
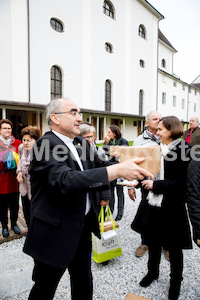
pixel 5 232
pixel 16 229
pixel 148 279
pixel 174 291
pixel 118 217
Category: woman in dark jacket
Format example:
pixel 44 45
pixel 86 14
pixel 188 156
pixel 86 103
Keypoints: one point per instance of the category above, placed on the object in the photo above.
pixel 114 138
pixel 193 196
pixel 168 224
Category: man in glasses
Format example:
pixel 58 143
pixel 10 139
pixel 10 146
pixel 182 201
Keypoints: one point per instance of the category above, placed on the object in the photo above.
pixel 63 206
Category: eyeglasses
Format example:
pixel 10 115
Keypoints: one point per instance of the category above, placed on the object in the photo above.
pixel 74 113
pixel 88 137
pixel 6 128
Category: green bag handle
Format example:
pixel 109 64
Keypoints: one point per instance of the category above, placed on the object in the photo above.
pixel 101 218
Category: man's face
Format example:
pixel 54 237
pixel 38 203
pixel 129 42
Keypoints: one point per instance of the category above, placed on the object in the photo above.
pixel 67 119
pixel 193 123
pixel 152 123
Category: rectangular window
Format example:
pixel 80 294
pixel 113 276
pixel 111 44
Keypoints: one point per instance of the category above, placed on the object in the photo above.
pixel 195 107
pixel 183 104
pixel 175 83
pixel 174 101
pixel 134 123
pixel 195 92
pixel 163 98
pixel 183 87
pixel 164 79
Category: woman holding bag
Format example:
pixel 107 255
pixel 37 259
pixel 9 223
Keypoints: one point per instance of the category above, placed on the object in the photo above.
pixel 9 187
pixel 168 224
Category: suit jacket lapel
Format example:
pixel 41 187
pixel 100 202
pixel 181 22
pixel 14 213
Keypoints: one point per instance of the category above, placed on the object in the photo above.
pixel 70 155
pixel 81 155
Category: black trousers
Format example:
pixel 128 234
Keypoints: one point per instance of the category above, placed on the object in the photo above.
pixel 26 209
pixel 10 201
pixel 47 277
pixel 176 262
pixel 120 196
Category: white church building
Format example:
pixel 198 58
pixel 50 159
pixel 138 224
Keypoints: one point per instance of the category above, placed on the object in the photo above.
pixel 107 56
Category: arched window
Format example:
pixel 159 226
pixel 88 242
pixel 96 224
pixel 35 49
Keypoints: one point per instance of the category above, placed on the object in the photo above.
pixel 56 83
pixel 142 64
pixel 108 9
pixel 108 90
pixel 108 47
pixel 141 100
pixel 163 63
pixel 56 24
pixel 142 31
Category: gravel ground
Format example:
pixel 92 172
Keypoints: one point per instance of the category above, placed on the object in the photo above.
pixel 122 274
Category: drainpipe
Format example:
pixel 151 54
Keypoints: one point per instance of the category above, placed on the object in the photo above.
pixel 28 25
pixel 157 67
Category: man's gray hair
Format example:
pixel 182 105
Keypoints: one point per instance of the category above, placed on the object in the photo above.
pixel 150 113
pixel 52 107
pixel 84 128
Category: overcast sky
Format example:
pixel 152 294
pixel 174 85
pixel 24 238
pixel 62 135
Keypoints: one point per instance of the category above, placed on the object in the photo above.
pixel 181 27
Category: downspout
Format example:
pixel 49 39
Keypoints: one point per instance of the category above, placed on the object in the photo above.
pixel 188 99
pixel 157 67
pixel 28 24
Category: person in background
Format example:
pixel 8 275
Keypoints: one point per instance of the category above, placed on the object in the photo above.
pixel 114 138
pixel 9 187
pixel 19 129
pixel 193 196
pixel 149 137
pixel 192 135
pixel 63 204
pixel 29 136
pixel 87 131
pixel 168 223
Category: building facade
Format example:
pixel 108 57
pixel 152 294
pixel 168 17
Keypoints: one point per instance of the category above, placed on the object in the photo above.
pixel 107 56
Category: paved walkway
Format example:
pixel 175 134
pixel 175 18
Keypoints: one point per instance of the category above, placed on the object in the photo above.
pixel 21 224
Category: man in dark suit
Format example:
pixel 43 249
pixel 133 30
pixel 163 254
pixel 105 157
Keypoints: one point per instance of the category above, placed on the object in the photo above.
pixel 64 179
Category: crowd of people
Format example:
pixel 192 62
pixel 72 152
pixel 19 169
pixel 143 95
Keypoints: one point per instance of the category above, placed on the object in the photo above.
pixel 64 178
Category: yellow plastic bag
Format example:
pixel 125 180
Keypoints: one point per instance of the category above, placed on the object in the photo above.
pixel 106 249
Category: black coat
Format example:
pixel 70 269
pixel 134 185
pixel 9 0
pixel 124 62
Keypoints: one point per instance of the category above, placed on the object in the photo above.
pixel 193 195
pixel 58 202
pixel 170 222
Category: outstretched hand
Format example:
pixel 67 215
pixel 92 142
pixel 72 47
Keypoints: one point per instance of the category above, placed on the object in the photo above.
pixel 129 170
pixel 132 171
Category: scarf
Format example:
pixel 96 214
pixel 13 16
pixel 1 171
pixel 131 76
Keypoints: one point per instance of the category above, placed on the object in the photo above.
pixel 156 199
pixel 6 142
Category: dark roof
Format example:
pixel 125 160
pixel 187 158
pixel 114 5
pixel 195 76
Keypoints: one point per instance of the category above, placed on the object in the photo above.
pixel 161 16
pixel 164 39
pixel 196 85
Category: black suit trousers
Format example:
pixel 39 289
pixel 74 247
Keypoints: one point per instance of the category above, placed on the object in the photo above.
pixel 47 277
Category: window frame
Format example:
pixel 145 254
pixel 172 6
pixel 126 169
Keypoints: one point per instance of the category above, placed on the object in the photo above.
pixel 163 63
pixel 108 95
pixel 142 63
pixel 56 82
pixel 108 9
pixel 58 24
pixel 142 31
pixel 164 98
pixel 108 47
pixel 141 102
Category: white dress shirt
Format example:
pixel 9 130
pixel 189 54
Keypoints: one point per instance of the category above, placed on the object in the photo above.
pixel 69 143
